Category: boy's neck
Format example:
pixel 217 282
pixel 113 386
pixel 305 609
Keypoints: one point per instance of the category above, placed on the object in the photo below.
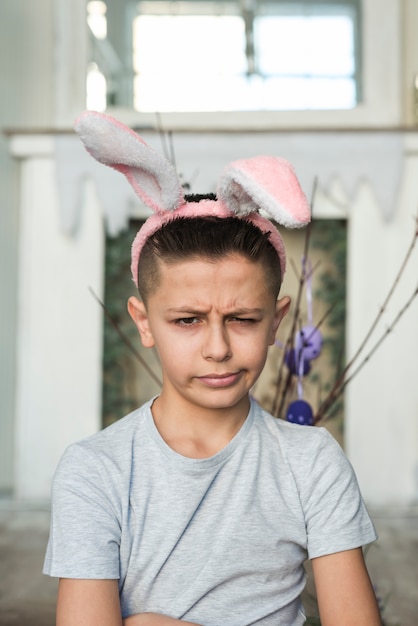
pixel 198 432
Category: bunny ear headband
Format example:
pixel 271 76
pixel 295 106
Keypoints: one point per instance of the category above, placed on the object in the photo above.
pixel 245 187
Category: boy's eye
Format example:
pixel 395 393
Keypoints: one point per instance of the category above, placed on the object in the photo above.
pixel 186 321
pixel 243 320
pixel 192 320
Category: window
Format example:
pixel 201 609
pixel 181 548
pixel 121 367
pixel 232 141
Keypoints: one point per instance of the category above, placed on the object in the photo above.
pixel 96 87
pixel 243 56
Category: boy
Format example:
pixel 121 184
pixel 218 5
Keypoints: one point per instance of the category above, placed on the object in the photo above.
pixel 200 508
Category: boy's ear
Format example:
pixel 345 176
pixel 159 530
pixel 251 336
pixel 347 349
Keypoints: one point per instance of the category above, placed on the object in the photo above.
pixel 139 315
pixel 282 308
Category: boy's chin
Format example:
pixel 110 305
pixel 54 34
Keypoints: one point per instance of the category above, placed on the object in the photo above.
pixel 221 401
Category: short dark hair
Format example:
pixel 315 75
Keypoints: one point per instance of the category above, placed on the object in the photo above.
pixel 207 237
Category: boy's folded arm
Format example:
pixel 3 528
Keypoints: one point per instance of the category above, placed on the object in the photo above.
pixel 344 591
pixel 83 602
pixel 154 619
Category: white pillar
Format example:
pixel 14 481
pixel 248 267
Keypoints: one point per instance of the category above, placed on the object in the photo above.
pixel 382 401
pixel 59 323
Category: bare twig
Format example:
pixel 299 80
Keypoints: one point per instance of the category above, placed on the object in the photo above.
pixel 321 320
pixel 165 146
pixel 125 339
pixel 278 403
pixel 340 382
pixel 278 407
pixel 172 151
pixel 309 274
pixel 333 396
pixel 387 299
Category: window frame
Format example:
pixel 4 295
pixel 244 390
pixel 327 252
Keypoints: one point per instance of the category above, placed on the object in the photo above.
pixel 248 76
pixel 380 104
pixel 251 49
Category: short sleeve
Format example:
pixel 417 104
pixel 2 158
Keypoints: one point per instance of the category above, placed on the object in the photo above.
pixel 336 517
pixel 85 531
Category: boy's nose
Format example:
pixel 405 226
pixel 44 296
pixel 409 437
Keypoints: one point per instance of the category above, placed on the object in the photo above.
pixel 216 345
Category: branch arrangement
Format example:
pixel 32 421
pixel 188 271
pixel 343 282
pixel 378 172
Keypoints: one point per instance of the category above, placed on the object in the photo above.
pixel 359 359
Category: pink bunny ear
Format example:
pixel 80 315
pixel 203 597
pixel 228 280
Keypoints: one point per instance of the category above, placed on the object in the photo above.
pixel 266 183
pixel 152 177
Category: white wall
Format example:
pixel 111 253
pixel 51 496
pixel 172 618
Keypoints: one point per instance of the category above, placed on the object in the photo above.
pixel 59 329
pixel 382 402
pixel 26 99
pixel 59 325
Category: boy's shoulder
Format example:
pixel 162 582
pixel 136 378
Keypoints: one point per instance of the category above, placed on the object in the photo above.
pixel 110 443
pixel 294 434
pixel 121 428
pixel 300 446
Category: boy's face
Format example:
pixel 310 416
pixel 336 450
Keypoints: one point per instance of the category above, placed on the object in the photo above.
pixel 212 323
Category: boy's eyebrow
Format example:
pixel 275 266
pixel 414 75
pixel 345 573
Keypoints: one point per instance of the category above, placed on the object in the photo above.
pixel 234 311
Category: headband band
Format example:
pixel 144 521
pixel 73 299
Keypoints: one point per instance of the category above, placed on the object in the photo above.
pixel 246 186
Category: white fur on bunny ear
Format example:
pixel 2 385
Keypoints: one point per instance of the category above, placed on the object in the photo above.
pixel 266 183
pixel 153 177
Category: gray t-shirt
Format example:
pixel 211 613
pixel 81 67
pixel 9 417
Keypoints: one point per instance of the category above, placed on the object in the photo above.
pixel 220 540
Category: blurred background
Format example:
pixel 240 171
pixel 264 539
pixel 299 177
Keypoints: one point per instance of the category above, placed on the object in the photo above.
pixel 330 85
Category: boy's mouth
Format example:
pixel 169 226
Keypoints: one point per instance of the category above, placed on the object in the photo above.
pixel 220 380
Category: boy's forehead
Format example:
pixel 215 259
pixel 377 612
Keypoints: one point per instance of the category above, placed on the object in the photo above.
pixel 234 274
pixel 196 262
